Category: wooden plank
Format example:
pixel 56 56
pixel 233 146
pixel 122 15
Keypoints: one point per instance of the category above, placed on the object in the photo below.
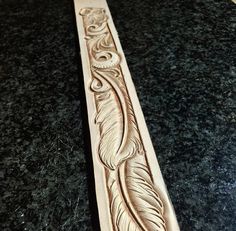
pixel 130 190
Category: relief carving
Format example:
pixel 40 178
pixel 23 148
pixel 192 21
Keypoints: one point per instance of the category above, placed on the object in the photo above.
pixel 135 204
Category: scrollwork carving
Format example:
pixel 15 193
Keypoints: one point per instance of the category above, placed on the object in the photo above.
pixel 134 200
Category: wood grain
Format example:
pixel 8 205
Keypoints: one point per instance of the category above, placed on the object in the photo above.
pixel 130 190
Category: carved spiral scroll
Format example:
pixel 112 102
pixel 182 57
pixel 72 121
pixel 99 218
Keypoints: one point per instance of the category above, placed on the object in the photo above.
pixel 135 204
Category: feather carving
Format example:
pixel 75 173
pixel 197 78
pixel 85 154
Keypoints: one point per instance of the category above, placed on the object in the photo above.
pixel 135 204
pixel 115 118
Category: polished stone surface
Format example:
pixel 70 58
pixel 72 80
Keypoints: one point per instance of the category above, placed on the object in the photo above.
pixel 182 58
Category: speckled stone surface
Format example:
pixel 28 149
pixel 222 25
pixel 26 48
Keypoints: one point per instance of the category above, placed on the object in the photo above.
pixel 182 58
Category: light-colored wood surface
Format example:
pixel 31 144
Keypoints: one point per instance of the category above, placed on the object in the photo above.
pixel 130 190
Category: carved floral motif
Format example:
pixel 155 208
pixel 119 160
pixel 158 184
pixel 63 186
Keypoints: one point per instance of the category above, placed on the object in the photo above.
pixel 135 204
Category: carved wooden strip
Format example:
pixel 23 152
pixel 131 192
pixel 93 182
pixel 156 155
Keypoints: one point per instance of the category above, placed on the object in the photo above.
pixel 130 190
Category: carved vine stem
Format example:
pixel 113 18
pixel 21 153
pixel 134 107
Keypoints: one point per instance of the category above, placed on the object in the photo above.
pixel 135 204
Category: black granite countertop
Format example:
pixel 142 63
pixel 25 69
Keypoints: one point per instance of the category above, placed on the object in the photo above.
pixel 182 57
